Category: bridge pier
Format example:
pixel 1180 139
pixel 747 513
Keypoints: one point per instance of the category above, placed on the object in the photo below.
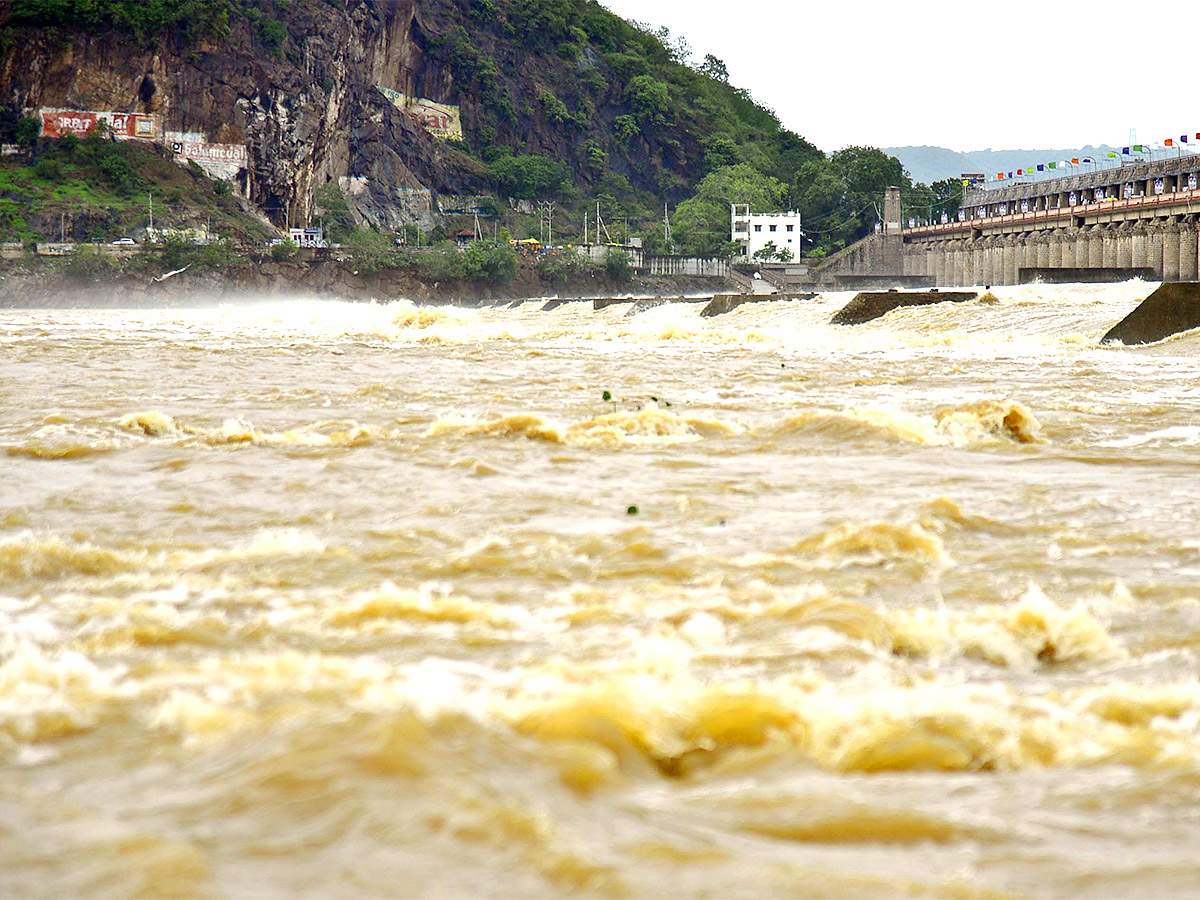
pixel 1188 266
pixel 1026 254
pixel 1010 260
pixel 1170 264
pixel 1043 251
pixel 1055 242
pixel 1072 243
pixel 1124 247
pixel 1154 252
pixel 1138 258
pixel 1108 248
pixel 1095 248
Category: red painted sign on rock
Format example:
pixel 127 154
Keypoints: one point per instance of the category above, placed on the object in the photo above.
pixel 57 123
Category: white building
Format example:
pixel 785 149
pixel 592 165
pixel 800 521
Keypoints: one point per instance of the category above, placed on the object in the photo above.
pixel 307 237
pixel 754 232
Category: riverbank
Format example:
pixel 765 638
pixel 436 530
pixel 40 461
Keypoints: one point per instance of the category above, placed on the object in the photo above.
pixel 47 284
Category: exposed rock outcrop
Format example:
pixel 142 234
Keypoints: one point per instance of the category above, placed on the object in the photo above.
pixel 307 118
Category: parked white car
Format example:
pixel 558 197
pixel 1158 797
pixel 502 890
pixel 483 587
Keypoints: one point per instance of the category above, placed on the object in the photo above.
pixel 124 242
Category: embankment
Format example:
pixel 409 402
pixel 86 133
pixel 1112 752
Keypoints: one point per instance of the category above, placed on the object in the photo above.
pixel 46 286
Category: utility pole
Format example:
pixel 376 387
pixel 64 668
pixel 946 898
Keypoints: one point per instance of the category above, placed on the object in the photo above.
pixel 546 220
pixel 585 227
pixel 667 230
pixel 151 210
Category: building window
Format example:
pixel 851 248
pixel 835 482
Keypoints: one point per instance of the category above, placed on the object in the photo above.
pixel 772 228
pixel 758 228
pixel 791 228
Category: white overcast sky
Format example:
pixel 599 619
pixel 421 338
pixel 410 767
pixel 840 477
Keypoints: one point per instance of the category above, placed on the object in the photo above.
pixel 963 75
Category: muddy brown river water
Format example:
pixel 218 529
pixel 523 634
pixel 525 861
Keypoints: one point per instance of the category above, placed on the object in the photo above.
pixel 311 599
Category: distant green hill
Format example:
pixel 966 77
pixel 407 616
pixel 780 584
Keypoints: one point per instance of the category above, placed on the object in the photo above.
pixel 930 164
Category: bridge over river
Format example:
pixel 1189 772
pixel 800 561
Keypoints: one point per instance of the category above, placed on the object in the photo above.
pixel 1111 224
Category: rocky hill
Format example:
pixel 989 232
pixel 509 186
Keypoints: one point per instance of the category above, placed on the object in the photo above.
pixel 556 98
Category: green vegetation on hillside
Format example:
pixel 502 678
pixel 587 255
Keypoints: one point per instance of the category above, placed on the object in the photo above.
pixel 143 17
pixel 99 190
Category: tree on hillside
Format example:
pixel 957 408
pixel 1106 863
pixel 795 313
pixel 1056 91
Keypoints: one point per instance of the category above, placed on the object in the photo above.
pixel 839 197
pixel 27 131
pixel 529 177
pixel 701 224
pixel 650 99
pixel 714 68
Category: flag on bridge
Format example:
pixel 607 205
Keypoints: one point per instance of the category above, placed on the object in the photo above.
pixel 1125 151
pixel 1088 159
pixel 999 176
pixel 1010 174
pixel 1183 138
pixel 1113 155
pixel 1052 165
pixel 1074 160
pixel 1169 142
pixel 1139 148
pixel 1041 168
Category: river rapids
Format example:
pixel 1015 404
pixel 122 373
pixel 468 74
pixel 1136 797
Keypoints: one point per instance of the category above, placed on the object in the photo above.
pixel 313 599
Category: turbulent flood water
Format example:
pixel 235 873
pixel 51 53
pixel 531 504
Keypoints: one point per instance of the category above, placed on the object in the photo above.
pixel 315 599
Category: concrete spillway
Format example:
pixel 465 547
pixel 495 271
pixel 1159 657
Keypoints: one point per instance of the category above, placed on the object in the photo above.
pixel 871 305
pixel 1172 309
pixel 724 303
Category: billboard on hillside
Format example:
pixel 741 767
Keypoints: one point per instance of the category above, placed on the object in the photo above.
pixel 218 160
pixel 57 123
pixel 440 119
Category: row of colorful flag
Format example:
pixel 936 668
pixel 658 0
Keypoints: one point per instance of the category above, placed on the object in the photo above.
pixel 1032 170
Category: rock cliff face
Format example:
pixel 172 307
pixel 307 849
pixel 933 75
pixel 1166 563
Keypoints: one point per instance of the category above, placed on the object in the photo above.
pixel 308 116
